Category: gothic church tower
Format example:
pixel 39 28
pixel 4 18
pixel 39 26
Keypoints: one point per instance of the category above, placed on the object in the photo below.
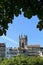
pixel 23 41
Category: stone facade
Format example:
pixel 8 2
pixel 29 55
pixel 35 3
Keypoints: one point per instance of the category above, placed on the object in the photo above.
pixel 23 41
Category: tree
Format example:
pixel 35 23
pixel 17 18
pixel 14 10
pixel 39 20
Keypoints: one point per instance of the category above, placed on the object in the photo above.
pixel 23 60
pixel 11 8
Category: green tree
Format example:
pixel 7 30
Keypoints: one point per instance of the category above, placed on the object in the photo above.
pixel 11 8
pixel 23 60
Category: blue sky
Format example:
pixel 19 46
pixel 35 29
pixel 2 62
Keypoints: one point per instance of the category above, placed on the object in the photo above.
pixel 24 26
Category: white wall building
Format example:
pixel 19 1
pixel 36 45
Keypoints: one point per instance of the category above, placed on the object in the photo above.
pixel 10 52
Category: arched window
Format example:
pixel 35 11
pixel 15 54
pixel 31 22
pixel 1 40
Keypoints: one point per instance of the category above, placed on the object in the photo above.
pixel 22 45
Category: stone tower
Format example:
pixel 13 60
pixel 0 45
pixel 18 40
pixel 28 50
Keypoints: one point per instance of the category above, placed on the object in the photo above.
pixel 23 41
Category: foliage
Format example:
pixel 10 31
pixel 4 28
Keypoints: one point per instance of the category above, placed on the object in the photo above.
pixel 23 60
pixel 11 8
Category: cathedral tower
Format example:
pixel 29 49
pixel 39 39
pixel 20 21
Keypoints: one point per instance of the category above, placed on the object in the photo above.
pixel 22 41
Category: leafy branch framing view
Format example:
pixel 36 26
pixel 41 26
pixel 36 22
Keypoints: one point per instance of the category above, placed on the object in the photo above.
pixel 11 8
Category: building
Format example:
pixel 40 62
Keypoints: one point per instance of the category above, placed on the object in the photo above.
pixel 22 41
pixel 30 50
pixel 24 48
pixel 41 51
pixel 10 52
pixel 2 49
pixel 23 44
pixel 33 50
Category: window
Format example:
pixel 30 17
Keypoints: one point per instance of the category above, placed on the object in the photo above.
pixel 22 45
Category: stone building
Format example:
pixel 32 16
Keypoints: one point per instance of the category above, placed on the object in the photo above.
pixel 23 43
pixel 30 50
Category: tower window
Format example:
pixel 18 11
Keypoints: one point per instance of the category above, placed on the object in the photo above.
pixel 22 45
